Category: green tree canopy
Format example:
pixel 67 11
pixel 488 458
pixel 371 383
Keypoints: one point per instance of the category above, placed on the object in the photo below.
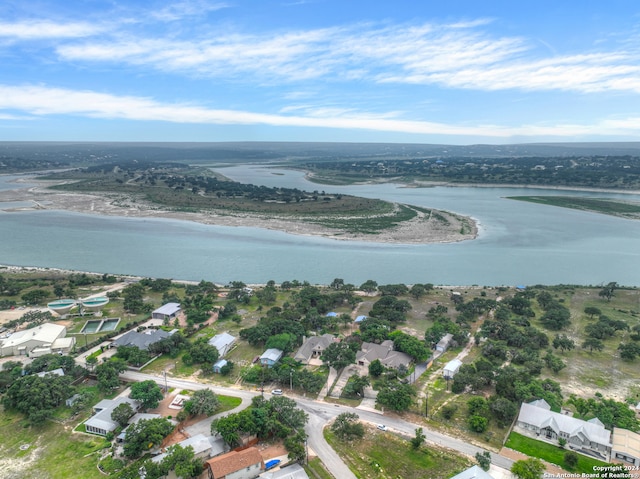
pixel 121 413
pixel 396 396
pixel 347 426
pixel 528 469
pixel 338 355
pixel 202 402
pixel 147 392
pixel 144 435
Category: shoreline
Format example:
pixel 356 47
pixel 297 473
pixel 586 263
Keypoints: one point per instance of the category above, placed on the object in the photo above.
pixel 419 230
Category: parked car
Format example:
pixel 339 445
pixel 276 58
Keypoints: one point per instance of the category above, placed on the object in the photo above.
pixel 382 427
pixel 277 392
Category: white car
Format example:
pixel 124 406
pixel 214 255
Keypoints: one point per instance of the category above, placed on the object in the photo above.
pixel 277 392
pixel 382 427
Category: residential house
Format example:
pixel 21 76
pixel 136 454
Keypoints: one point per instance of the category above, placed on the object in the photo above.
pixel 43 339
pixel 294 471
pixel 141 340
pixel 313 347
pixel 204 447
pixel 360 318
pixel 444 343
pixel 223 343
pixel 101 423
pixel 219 365
pixel 451 368
pixel 270 357
pixel 384 352
pixel 245 464
pixel 588 437
pixel 166 312
pixel 626 447
pixel 139 416
pixel 474 472
pixel 54 372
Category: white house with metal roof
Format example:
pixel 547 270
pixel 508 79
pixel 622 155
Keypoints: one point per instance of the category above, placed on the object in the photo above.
pixel 451 368
pixel 166 311
pixel 203 446
pixel 223 342
pixel 537 420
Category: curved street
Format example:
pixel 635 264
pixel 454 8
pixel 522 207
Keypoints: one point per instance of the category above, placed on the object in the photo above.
pixel 320 414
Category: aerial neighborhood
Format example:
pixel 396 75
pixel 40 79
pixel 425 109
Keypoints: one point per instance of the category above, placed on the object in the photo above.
pixel 177 388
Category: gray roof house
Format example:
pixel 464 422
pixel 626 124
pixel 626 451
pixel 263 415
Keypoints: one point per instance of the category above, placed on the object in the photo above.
pixel 140 340
pixel 294 471
pixel 203 446
pixel 474 472
pixel 444 343
pixel 166 311
pixel 313 348
pixel 223 343
pixel 101 422
pixel 270 357
pixel 587 437
pixel 369 352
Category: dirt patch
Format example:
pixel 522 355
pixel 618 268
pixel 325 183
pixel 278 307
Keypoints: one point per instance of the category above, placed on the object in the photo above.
pixel 272 451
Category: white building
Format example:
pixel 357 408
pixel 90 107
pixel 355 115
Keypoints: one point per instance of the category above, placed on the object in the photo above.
pixel 223 343
pixel 101 422
pixel 166 312
pixel 451 368
pixel 626 447
pixel 44 339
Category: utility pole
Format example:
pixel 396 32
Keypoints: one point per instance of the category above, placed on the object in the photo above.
pixel 426 403
pixel 166 387
pixel 291 379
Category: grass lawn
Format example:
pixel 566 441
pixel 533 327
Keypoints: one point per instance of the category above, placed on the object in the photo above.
pixel 385 455
pixel 550 453
pixel 50 451
pixel 315 469
pixel 227 403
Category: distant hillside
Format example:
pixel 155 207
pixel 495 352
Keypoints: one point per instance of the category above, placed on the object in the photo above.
pixel 31 156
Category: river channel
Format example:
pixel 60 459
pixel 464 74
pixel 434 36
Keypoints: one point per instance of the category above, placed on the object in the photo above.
pixel 519 243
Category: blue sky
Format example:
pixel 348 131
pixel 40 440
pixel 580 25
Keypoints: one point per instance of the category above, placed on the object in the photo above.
pixel 418 71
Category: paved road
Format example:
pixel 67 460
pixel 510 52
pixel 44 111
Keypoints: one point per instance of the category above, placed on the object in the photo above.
pixel 320 414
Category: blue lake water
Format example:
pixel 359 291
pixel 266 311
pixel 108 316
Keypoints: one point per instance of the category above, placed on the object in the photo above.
pixel 519 243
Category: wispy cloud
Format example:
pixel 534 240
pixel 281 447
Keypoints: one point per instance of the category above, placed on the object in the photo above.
pixel 44 29
pixel 42 101
pixel 461 55
pixel 187 8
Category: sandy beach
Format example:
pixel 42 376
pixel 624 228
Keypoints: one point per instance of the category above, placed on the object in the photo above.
pixel 420 230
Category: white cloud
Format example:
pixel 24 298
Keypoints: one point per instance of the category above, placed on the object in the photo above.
pixel 186 8
pixel 42 29
pixel 42 101
pixel 458 55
